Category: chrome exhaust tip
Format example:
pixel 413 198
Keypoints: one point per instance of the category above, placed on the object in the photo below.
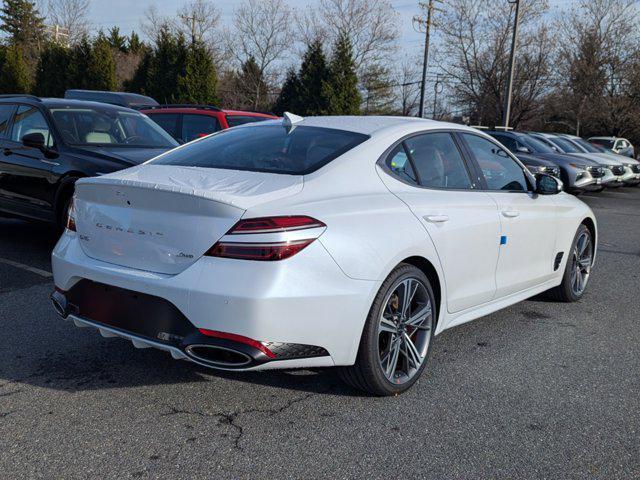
pixel 218 356
pixel 59 303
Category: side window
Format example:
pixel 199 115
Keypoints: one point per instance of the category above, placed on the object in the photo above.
pixel 438 161
pixel 30 120
pixel 168 122
pixel 196 126
pixel 508 142
pixel 398 162
pixel 5 117
pixel 499 170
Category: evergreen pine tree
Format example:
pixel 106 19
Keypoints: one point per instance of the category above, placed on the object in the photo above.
pixel 117 41
pixel 14 77
pixel 101 67
pixel 22 22
pixel 252 86
pixel 289 98
pixel 166 66
pixel 52 77
pixel 79 64
pixel 342 87
pixel 138 83
pixel 313 78
pixel 197 84
pixel 134 44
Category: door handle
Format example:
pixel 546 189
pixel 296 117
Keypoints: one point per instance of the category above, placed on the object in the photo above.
pixel 436 218
pixel 7 151
pixel 510 213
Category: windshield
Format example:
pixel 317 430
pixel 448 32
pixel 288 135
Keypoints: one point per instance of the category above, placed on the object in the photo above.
pixel 266 148
pixel 586 145
pixel 565 145
pixel 605 143
pixel 535 145
pixel 93 126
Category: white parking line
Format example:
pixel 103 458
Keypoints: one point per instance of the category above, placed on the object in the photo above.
pixel 22 266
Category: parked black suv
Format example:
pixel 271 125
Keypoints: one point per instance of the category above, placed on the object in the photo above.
pixel 48 143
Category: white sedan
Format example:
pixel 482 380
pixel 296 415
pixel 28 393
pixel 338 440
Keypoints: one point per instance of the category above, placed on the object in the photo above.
pixel 318 242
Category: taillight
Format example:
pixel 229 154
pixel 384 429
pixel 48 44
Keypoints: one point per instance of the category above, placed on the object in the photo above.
pixel 265 250
pixel 71 217
pixel 274 224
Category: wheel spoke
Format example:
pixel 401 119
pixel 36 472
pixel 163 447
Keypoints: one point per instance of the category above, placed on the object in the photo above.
pixel 419 317
pixel 411 352
pixel 407 295
pixel 585 262
pixel 387 325
pixel 393 357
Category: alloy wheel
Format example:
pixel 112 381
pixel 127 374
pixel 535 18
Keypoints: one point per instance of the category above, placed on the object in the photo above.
pixel 581 266
pixel 404 330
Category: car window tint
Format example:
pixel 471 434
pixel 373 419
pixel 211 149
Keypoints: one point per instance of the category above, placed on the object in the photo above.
pixel 168 122
pixel 196 126
pixel 30 120
pixel 500 171
pixel 235 120
pixel 297 150
pixel 508 142
pixel 438 161
pixel 398 162
pixel 5 117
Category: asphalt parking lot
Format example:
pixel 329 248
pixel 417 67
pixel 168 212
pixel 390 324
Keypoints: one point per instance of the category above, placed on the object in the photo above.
pixel 540 390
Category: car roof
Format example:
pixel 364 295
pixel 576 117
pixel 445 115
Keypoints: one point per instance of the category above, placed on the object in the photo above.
pixel 604 138
pixel 376 125
pixel 62 102
pixel 249 113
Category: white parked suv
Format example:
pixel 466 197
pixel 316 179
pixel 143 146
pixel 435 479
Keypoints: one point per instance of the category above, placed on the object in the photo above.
pixel 318 242
pixel 618 145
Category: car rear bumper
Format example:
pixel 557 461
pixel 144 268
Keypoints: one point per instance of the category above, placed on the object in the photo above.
pixel 304 301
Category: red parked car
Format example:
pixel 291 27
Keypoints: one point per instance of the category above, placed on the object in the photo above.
pixel 188 122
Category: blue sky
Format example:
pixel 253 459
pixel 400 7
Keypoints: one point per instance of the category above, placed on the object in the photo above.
pixel 127 14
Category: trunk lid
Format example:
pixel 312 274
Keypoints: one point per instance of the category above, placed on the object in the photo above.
pixel 163 218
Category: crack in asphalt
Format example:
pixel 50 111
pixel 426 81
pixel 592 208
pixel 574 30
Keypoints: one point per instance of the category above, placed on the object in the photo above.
pixel 230 418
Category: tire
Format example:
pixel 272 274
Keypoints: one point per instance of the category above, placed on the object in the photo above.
pixel 566 291
pixel 378 342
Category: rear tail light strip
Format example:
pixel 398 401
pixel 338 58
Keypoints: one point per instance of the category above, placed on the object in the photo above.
pixel 260 249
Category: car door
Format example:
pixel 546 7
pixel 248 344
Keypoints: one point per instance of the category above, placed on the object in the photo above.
pixel 433 179
pixel 527 220
pixel 6 114
pixel 26 181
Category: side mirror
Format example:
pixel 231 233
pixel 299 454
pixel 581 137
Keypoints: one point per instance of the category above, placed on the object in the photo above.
pixel 547 184
pixel 34 140
pixel 523 149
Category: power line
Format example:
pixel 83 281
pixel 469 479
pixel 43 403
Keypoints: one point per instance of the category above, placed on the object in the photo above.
pixel 429 7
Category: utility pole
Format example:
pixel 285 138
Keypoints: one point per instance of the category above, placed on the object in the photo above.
pixel 437 88
pixel 512 64
pixel 429 7
pixel 192 20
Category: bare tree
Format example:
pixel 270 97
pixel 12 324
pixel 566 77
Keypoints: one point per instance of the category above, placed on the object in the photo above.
pixel 199 20
pixel 372 27
pixel 70 16
pixel 154 22
pixel 262 36
pixel 599 48
pixel 474 57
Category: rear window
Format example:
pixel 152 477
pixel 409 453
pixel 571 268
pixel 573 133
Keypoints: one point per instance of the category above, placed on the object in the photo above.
pixel 235 120
pixel 297 150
